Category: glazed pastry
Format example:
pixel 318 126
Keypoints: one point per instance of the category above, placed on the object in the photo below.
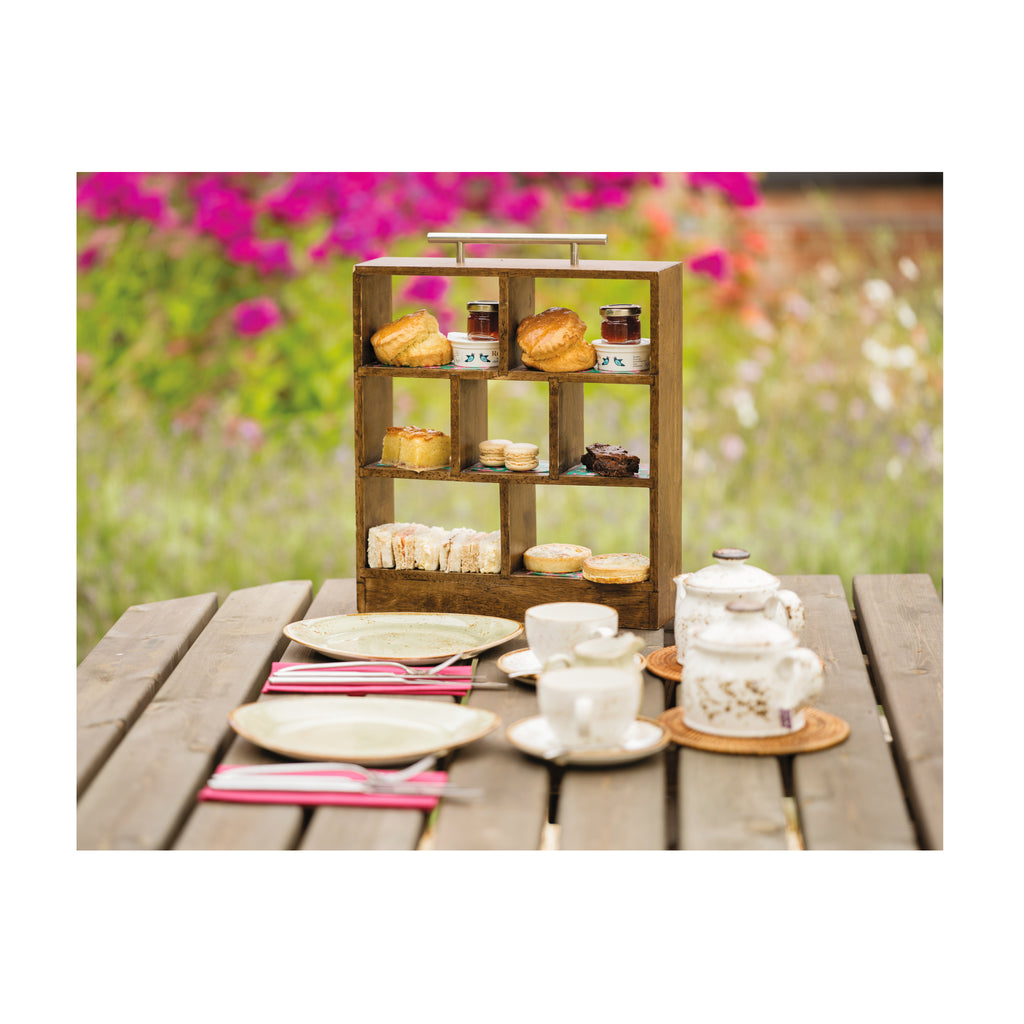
pixel 555 557
pixel 492 453
pixel 521 457
pixel 412 340
pixel 555 341
pixel 610 460
pixel 617 568
pixel 424 449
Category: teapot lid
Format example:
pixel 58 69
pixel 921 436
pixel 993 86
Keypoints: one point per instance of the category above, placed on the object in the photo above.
pixel 730 574
pixel 745 627
pixel 612 646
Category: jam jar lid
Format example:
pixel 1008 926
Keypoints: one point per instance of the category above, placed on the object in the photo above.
pixel 620 309
pixel 744 628
pixel 729 574
pixel 482 306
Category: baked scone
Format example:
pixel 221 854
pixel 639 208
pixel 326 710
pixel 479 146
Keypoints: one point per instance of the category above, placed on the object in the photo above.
pixel 492 453
pixel 555 341
pixel 521 457
pixel 617 568
pixel 555 557
pixel 412 340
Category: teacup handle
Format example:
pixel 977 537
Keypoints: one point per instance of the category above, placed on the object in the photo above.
pixel 582 713
pixel 786 608
pixel 556 659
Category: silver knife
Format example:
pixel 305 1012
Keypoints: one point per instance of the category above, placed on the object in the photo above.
pixel 337 784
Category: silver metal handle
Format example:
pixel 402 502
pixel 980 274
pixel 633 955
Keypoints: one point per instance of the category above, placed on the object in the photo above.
pixel 460 238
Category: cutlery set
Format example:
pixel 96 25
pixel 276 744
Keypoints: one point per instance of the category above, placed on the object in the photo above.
pixel 336 777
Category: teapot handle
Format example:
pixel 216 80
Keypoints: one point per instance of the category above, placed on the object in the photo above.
pixel 786 608
pixel 802 674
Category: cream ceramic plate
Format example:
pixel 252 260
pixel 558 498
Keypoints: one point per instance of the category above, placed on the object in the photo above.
pixel 365 730
pixel 524 660
pixel 414 638
pixel 644 737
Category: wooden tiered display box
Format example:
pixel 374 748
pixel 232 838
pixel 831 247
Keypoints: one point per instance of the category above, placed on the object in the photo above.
pixel 646 605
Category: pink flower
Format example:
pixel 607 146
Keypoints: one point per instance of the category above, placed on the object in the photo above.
pixel 255 316
pixel 224 213
pixel 267 257
pixel 425 289
pixel 88 257
pixel 714 264
pixel 739 186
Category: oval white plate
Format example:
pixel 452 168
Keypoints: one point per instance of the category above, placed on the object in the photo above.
pixel 524 660
pixel 366 730
pixel 414 638
pixel 644 737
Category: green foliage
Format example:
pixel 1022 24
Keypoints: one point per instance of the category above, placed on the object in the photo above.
pixel 208 461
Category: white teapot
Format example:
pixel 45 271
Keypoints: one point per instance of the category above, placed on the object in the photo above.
pixel 602 652
pixel 701 596
pixel 614 652
pixel 745 676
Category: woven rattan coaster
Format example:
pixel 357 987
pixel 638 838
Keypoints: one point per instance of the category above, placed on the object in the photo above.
pixel 820 730
pixel 663 663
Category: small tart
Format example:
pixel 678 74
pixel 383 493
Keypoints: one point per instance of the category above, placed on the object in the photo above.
pixel 555 557
pixel 617 568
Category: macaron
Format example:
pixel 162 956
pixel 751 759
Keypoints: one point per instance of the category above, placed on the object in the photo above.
pixel 492 453
pixel 521 457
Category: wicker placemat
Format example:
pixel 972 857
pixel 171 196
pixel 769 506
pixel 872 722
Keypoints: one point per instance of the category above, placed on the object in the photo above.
pixel 663 663
pixel 820 730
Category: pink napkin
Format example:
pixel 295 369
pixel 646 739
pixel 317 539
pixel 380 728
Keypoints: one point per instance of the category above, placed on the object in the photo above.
pixel 251 796
pixel 448 682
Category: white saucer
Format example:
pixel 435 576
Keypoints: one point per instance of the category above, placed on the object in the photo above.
pixel 644 737
pixel 524 660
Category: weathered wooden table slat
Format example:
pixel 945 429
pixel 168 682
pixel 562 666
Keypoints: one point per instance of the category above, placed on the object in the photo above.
pixel 186 666
pixel 120 676
pixel 849 796
pixel 901 621
pixel 147 788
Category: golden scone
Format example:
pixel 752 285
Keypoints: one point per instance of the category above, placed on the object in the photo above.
pixel 616 568
pixel 412 340
pixel 555 557
pixel 555 341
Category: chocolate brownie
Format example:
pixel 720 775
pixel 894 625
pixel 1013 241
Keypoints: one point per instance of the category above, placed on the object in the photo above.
pixel 610 460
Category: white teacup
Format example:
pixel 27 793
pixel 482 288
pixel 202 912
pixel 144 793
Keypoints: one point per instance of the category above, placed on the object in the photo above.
pixel 558 627
pixel 589 708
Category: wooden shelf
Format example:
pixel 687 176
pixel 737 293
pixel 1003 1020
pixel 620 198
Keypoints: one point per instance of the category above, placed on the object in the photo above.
pixel 647 605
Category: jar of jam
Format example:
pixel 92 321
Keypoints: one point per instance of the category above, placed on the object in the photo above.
pixel 620 323
pixel 482 318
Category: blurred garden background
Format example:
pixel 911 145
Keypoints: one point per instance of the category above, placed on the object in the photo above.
pixel 215 420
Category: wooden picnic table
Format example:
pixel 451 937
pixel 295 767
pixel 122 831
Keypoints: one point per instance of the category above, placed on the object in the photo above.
pixel 155 694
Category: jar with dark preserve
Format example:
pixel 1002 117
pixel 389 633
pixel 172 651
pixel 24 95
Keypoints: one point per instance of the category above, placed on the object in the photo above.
pixel 620 323
pixel 482 318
